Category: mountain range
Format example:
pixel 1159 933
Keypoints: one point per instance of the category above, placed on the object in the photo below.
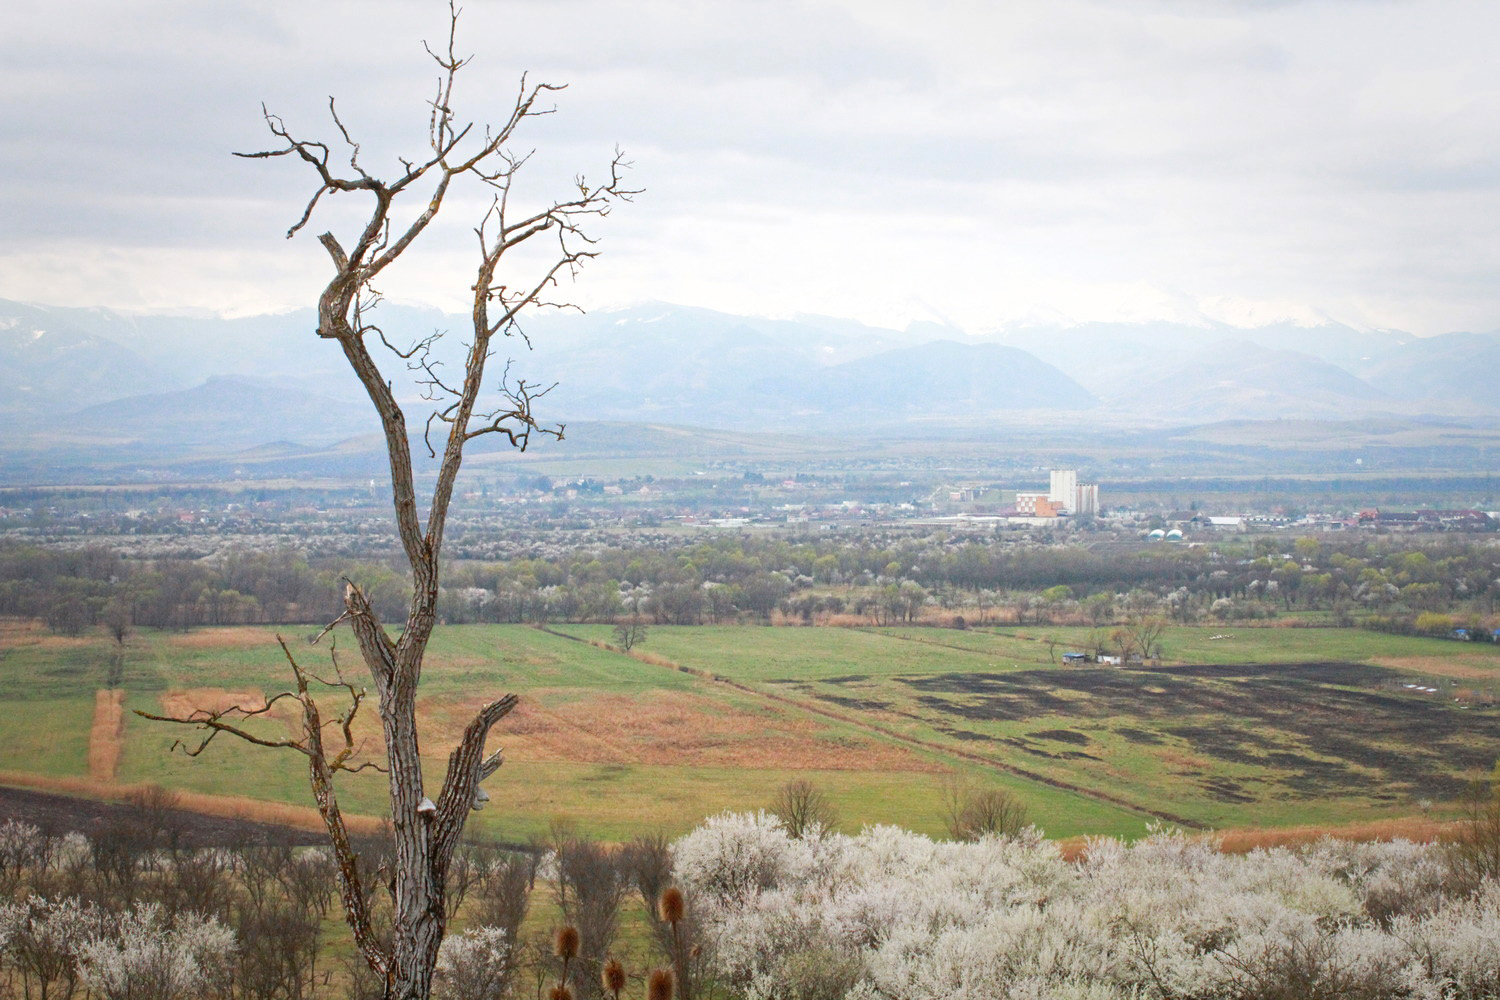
pixel 97 380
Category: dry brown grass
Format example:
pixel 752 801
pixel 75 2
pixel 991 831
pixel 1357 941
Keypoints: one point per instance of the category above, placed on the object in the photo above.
pixel 848 621
pixel 1468 668
pixel 1416 828
pixel 662 661
pixel 1190 763
pixel 1419 829
pixel 107 734
pixel 16 633
pixel 229 637
pixel 298 817
pixel 229 806
pixel 666 728
pixel 183 702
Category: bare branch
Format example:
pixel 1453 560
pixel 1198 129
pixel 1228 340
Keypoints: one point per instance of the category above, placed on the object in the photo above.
pixel 467 766
pixel 424 841
pixel 333 113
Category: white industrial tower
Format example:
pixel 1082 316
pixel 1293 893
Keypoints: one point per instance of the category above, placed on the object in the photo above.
pixel 1064 491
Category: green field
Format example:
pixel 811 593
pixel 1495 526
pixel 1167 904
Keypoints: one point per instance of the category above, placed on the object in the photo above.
pixel 1256 727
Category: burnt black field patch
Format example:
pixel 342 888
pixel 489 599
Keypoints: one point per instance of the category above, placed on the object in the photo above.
pixel 1353 674
pixel 1012 742
pixel 1225 790
pixel 1224 742
pixel 1316 728
pixel 846 679
pixel 861 704
pixel 1077 739
pixel 967 735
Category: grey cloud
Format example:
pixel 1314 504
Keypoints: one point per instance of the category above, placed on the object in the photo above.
pixel 1219 147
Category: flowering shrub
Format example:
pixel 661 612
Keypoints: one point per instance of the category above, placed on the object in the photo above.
pixel 889 914
pixel 43 937
pixel 474 965
pixel 142 957
pixel 885 915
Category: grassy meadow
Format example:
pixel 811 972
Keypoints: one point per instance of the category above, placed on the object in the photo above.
pixel 1238 727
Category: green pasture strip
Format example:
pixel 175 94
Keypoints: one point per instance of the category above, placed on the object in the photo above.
pixel 229 766
pixel 47 736
pixel 752 654
pixel 616 801
pixel 1006 651
pixel 1241 644
pixel 517 657
pixel 178 660
pixel 36 671
pixel 460 660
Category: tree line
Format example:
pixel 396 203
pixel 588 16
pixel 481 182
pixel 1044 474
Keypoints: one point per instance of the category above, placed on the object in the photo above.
pixel 1403 584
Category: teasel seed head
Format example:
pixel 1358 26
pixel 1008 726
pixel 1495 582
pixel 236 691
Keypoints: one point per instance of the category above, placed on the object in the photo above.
pixel 565 942
pixel 613 977
pixel 660 985
pixel 671 906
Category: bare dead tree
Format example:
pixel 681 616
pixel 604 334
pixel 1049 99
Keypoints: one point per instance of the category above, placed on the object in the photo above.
pixel 425 831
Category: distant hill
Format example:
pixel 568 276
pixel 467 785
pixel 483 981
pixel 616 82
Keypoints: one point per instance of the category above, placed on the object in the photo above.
pixel 94 379
pixel 1440 372
pixel 225 412
pixel 941 379
pixel 1099 354
pixel 679 364
pixel 49 364
pixel 189 349
pixel 1235 380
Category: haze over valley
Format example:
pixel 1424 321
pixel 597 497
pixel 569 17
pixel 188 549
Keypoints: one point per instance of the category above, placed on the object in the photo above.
pixel 94 385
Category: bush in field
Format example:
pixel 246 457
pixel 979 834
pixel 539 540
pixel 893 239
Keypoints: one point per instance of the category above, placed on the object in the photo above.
pixel 1473 855
pixel 474 965
pixel 676 926
pixel 20 851
pixel 804 809
pixel 1433 623
pixel 971 813
pixel 591 880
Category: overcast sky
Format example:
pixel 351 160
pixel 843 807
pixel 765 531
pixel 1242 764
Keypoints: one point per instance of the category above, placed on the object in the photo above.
pixel 987 163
